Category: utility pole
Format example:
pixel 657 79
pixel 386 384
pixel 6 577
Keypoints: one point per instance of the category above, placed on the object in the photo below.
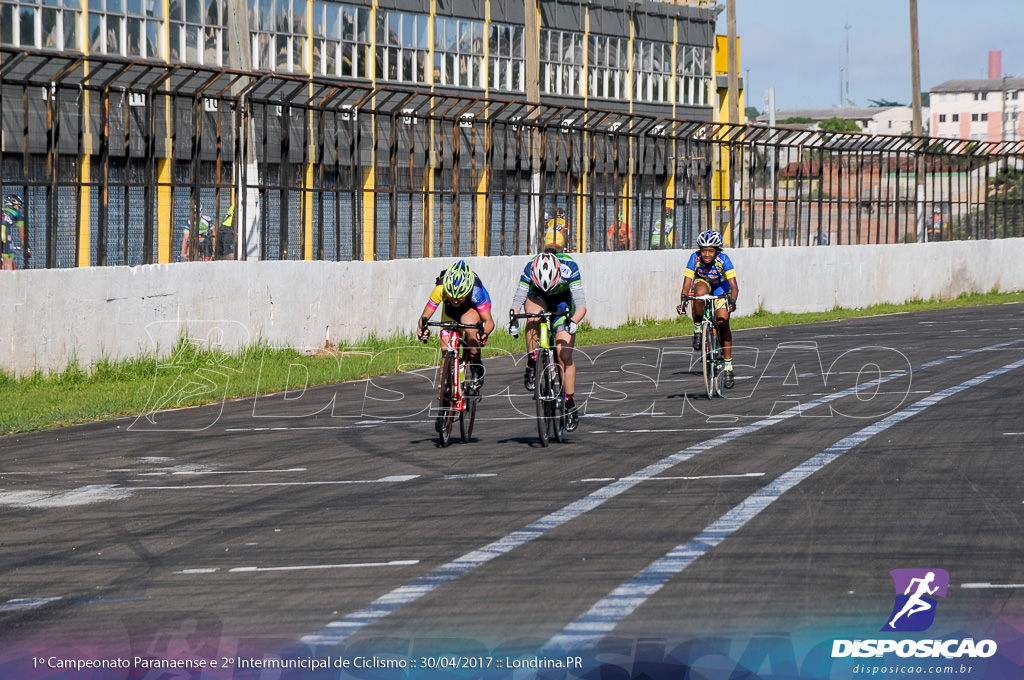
pixel 915 72
pixel 733 65
pixel 531 41
pixel 915 126
pixel 846 69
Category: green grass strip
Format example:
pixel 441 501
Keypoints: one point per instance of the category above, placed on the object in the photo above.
pixel 192 375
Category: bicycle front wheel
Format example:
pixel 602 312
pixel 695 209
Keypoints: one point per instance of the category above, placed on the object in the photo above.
pixel 541 390
pixel 446 396
pixel 556 412
pixel 467 417
pixel 707 362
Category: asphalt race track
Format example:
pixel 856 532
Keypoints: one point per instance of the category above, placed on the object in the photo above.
pixel 329 522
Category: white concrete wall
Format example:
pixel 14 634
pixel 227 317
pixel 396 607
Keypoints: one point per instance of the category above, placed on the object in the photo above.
pixel 49 318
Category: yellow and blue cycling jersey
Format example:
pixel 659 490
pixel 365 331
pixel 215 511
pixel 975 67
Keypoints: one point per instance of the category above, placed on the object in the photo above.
pixel 478 299
pixel 716 274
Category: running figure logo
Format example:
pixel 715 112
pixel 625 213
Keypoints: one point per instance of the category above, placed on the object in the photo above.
pixel 914 609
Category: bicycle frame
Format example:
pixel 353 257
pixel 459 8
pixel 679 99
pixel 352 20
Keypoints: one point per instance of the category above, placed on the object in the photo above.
pixel 549 390
pixel 712 359
pixel 451 384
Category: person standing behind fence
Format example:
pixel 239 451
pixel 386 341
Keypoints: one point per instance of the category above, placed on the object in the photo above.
pixel 203 244
pixel 663 232
pixel 225 236
pixel 12 223
pixel 619 235
pixel 556 235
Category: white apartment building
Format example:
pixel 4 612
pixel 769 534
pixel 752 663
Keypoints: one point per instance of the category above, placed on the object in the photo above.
pixel 982 109
pixel 875 120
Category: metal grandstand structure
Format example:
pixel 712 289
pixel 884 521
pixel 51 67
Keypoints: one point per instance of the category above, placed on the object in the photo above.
pixel 117 159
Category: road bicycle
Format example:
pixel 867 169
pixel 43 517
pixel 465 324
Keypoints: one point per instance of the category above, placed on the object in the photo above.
pixel 712 359
pixel 548 390
pixel 456 394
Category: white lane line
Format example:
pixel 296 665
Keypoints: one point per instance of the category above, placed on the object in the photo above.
pixel 193 487
pixel 604 616
pixel 305 567
pixel 98 493
pixel 337 631
pixel 234 472
pixel 392 563
pixel 658 431
pixel 741 475
pixel 83 495
pixel 469 475
pixel 992 585
pixel 24 603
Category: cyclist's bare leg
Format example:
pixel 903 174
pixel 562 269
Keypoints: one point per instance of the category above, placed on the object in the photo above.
pixel 565 343
pixel 725 331
pixel 697 308
pixel 6 263
pixel 469 337
pixel 532 325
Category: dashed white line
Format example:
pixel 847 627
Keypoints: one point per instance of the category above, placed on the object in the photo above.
pixel 304 567
pixel 24 603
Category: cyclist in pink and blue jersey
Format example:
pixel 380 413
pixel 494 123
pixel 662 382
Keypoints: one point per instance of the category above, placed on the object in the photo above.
pixel 463 298
pixel 710 271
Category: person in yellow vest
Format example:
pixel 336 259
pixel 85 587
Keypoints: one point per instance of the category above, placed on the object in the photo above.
pixel 556 233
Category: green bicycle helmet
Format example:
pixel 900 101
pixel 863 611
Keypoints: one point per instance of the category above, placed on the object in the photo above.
pixel 458 280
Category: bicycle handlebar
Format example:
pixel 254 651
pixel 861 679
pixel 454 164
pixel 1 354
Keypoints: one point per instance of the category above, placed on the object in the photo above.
pixel 455 325
pixel 534 315
pixel 705 298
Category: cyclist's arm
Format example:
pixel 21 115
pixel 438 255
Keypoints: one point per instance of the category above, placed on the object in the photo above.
pixel 485 316
pixel 522 290
pixel 687 285
pixel 734 287
pixel 428 309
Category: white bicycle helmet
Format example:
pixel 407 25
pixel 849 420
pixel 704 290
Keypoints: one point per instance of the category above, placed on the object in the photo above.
pixel 546 271
pixel 709 238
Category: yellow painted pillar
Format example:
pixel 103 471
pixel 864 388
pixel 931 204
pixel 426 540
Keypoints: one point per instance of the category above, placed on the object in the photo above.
pixel 722 185
pixel 164 212
pixel 581 212
pixel 307 208
pixel 85 195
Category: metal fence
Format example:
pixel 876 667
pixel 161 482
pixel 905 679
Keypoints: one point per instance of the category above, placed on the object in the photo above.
pixel 117 160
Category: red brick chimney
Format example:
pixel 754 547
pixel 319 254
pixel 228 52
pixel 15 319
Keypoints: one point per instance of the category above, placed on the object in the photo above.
pixel 995 64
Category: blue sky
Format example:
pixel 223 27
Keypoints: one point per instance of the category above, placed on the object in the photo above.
pixel 799 46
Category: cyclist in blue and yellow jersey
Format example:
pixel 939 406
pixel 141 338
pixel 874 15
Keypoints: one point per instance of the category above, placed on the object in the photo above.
pixel 551 282
pixel 465 300
pixel 710 271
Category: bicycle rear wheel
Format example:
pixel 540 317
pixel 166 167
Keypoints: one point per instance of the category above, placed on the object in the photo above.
pixel 542 396
pixel 707 359
pixel 446 418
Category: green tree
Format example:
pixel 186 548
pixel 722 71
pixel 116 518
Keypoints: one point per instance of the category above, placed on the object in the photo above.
pixel 878 103
pixel 836 124
pixel 751 112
